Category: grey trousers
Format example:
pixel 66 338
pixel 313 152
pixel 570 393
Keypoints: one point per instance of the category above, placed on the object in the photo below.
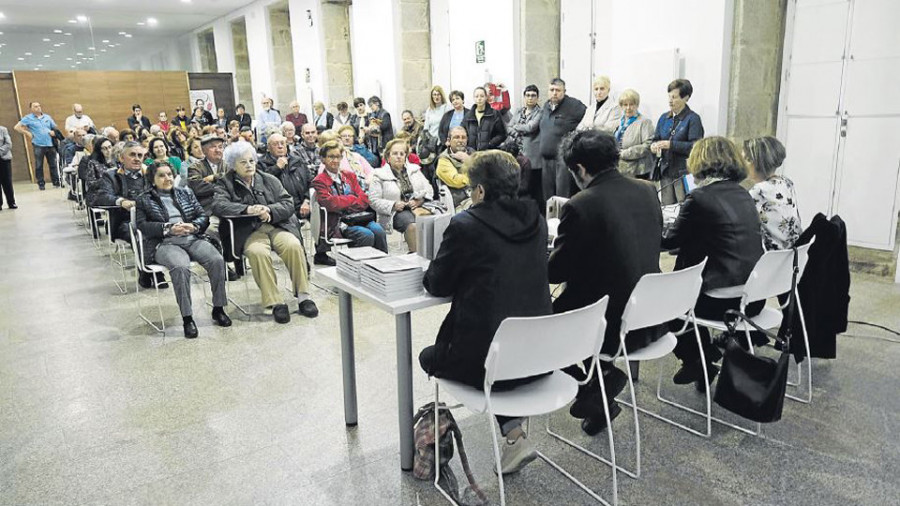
pixel 555 179
pixel 177 256
pixel 672 190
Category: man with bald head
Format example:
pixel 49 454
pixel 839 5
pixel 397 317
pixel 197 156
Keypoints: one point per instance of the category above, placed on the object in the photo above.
pixel 289 170
pixel 79 120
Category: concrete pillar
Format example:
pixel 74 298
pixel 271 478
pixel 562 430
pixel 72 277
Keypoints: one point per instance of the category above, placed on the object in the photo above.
pixel 757 47
pixel 415 55
pixel 539 35
pixel 338 61
pixel 242 65
pixel 282 56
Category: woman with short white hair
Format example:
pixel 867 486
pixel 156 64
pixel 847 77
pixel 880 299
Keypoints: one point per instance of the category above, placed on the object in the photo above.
pixel 634 134
pixel 605 114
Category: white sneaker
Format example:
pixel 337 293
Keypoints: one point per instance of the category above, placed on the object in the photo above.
pixel 515 456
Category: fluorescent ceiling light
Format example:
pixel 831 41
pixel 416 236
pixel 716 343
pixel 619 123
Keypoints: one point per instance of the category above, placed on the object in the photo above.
pixel 2 16
pixel 20 58
pixel 127 35
pixel 68 34
pixel 81 17
pixel 122 33
pixel 72 21
pixel 105 41
pixel 46 40
pixel 140 23
pixel 152 21
pixel 27 54
pixel 91 48
pixel 57 31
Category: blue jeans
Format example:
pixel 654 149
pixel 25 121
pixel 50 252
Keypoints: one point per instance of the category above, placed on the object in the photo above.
pixel 39 153
pixel 370 235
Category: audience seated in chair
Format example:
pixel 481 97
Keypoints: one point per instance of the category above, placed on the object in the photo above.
pixel 492 262
pixel 609 236
pixel 400 192
pixel 774 195
pixel 289 170
pixel 339 193
pixel 172 223
pixel 451 168
pixel 245 191
pixel 718 221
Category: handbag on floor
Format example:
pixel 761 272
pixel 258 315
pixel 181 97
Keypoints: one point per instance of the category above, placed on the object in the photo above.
pixel 423 459
pixel 750 385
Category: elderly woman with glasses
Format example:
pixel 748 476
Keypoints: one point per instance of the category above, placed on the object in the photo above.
pixel 173 223
pixel 399 192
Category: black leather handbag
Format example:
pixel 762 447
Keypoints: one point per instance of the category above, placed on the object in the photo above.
pixel 358 219
pixel 750 385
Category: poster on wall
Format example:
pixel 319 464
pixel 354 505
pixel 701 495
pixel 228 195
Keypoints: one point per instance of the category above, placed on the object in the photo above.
pixel 208 99
pixel 479 51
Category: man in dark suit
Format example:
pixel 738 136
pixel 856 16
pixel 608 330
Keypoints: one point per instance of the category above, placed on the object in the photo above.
pixel 609 236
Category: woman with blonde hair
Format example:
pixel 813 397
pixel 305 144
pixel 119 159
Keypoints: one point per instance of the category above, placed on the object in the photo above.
pixel 634 134
pixel 605 114
pixel 437 106
pixel 718 221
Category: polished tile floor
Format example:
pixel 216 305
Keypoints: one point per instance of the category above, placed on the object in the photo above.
pixel 97 408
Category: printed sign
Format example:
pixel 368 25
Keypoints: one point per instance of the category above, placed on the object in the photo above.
pixel 479 51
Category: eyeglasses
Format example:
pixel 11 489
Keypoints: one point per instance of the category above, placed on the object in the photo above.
pixel 531 95
pixel 332 157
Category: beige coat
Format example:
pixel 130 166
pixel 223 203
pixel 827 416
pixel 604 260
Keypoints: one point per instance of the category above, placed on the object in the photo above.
pixel 385 191
pixel 635 158
pixel 605 120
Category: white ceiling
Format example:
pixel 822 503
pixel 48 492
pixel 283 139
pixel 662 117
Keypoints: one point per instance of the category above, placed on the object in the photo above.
pixel 26 23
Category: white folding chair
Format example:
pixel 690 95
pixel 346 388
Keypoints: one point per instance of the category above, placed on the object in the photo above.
pixel 137 247
pixel 771 277
pixel 658 299
pixel 318 218
pixel 524 347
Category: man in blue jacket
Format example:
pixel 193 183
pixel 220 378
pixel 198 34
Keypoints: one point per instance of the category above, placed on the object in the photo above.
pixel 561 114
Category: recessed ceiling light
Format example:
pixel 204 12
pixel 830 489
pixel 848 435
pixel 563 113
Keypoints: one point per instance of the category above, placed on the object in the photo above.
pixel 152 21
pixel 57 31
pixel 55 45
pixel 140 23
pixel 79 54
pixel 127 35
pixel 46 40
pixel 36 68
pixel 62 43
pixel 91 48
pixel 68 34
pixel 102 50
pixel 122 33
pixel 68 59
pixel 72 66
pixel 72 21
pixel 111 45
pixel 78 63
pixel 2 16
pixel 51 51
pixel 46 56
pixel 27 54
pixel 40 64
pixel 105 41
pixel 20 58
pixel 81 17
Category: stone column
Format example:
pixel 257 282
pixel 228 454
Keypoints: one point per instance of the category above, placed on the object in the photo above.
pixel 282 56
pixel 338 61
pixel 415 56
pixel 756 50
pixel 242 65
pixel 539 26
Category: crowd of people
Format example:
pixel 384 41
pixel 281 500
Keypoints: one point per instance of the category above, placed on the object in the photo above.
pixel 499 166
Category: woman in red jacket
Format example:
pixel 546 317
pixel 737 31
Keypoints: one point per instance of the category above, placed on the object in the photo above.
pixel 339 193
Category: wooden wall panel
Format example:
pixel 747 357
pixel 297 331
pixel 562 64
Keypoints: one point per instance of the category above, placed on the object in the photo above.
pixel 106 96
pixel 9 116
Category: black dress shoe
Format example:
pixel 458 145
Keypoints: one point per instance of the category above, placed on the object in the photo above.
pixel 615 381
pixel 281 313
pixel 689 373
pixel 42 187
pixel 145 280
pixel 308 309
pixel 221 318
pixel 13 206
pixel 190 329
pixel 592 425
pixel 232 275
pixel 712 371
pixel 323 259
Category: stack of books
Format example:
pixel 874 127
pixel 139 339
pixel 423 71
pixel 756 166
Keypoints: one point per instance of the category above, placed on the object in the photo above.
pixel 349 260
pixel 393 278
pixel 430 233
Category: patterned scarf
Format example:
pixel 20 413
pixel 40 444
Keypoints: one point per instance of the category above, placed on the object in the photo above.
pixel 623 125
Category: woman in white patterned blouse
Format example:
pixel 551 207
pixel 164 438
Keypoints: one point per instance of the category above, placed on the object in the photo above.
pixel 775 197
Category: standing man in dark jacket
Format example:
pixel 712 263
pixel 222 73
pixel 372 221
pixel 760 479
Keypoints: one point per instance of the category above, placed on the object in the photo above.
pixel 561 114
pixel 492 261
pixel 484 126
pixel 609 236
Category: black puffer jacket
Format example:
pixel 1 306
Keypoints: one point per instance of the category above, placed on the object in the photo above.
pixel 485 135
pixel 118 183
pixel 152 216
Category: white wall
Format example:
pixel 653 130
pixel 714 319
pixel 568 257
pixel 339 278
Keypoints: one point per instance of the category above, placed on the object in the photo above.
pixel 309 53
pixel 633 39
pixel 374 46
pixel 460 24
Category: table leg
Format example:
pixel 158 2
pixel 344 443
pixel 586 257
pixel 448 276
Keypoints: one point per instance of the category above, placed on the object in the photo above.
pixel 348 361
pixel 404 389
